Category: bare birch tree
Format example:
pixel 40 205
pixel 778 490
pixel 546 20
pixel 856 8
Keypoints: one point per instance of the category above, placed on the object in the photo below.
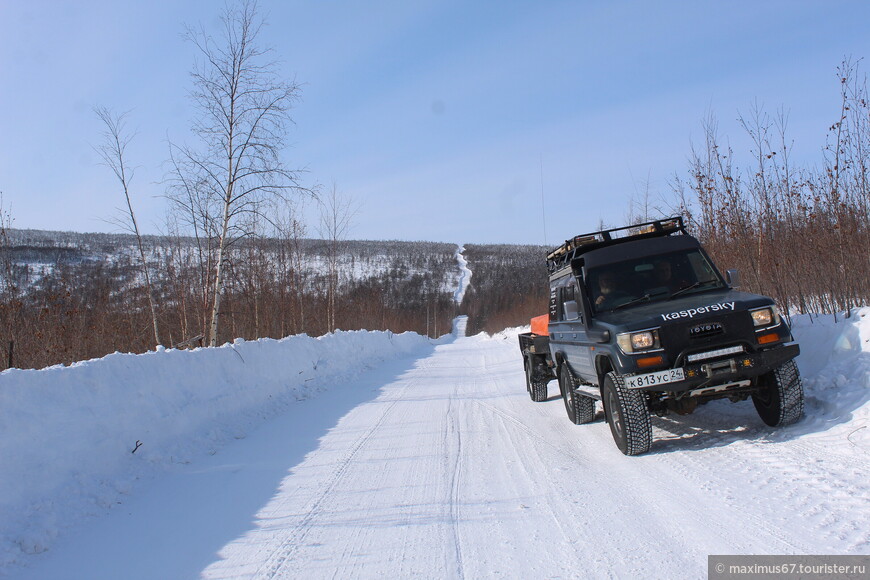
pixel 112 150
pixel 336 217
pixel 244 107
pixel 290 232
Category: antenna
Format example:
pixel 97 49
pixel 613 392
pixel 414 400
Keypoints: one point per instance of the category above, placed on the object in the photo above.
pixel 543 206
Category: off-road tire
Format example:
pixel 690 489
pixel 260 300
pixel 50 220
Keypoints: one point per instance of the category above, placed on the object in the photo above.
pixel 627 415
pixel 580 408
pixel 780 401
pixel 537 389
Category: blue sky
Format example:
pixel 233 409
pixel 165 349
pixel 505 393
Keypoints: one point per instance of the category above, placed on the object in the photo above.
pixel 445 120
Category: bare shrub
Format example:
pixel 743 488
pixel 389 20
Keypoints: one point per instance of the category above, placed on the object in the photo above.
pixel 799 234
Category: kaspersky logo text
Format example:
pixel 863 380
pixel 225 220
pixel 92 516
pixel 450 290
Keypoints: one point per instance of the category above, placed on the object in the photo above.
pixel 691 312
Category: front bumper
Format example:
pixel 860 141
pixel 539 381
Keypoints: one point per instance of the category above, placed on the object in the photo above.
pixel 733 369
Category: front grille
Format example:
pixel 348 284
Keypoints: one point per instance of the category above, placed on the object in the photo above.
pixel 706 329
pixel 682 338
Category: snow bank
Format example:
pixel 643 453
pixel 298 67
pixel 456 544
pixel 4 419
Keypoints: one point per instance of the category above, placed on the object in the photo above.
pixel 68 434
pixel 835 365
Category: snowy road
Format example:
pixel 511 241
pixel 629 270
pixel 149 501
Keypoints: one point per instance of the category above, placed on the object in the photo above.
pixel 464 276
pixel 441 467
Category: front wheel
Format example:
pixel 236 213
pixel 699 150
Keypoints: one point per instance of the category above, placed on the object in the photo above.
pixel 581 409
pixel 627 415
pixel 780 401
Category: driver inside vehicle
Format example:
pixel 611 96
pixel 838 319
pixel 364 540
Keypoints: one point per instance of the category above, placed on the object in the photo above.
pixel 607 293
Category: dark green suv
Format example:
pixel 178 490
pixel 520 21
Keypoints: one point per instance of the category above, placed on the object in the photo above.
pixel 641 319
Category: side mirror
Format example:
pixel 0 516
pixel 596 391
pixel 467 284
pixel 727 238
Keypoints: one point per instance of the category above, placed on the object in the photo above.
pixel 733 277
pixel 572 312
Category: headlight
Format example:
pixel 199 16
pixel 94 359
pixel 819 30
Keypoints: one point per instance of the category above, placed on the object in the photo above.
pixel 636 341
pixel 765 316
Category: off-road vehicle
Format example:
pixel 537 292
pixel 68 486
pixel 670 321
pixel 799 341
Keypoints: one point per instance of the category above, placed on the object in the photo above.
pixel 641 319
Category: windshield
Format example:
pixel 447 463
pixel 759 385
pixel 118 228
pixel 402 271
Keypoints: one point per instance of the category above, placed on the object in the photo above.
pixel 650 279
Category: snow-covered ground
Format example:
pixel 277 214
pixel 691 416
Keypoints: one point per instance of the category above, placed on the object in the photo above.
pixel 69 435
pixel 366 455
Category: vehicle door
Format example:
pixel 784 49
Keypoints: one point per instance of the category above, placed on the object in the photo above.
pixel 568 329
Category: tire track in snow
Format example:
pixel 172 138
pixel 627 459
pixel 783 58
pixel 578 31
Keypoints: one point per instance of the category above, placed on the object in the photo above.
pixel 560 449
pixel 569 489
pixel 453 441
pixel 273 565
pixel 508 422
pixel 776 466
pixel 780 469
pixel 567 458
pixel 598 476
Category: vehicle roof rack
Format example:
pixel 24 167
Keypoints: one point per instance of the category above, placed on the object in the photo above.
pixel 565 254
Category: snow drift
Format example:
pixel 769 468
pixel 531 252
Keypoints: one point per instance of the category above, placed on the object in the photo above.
pixel 835 364
pixel 69 435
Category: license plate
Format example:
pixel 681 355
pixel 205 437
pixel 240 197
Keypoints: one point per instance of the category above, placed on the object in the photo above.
pixel 653 379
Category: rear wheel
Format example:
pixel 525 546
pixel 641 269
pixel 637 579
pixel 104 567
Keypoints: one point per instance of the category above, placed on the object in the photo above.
pixel 780 401
pixel 627 415
pixel 581 409
pixel 537 389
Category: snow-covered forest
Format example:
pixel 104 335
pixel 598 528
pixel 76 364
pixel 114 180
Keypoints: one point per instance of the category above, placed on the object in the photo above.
pixel 70 296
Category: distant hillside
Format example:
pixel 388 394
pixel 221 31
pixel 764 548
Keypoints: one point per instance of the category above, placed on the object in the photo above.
pixel 69 296
pixel 508 286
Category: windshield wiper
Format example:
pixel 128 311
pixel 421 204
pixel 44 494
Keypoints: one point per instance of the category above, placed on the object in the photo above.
pixel 644 298
pixel 691 287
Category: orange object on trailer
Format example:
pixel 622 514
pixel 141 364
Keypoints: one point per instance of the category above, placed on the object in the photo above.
pixel 539 325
